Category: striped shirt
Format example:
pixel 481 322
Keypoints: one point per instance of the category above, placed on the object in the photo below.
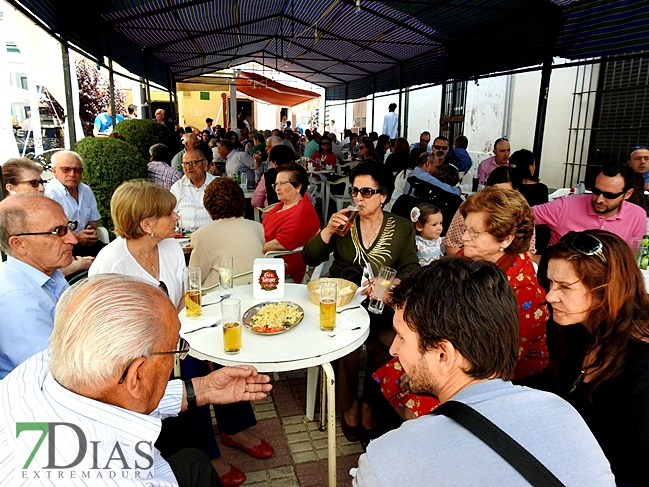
pixel 163 174
pixel 31 395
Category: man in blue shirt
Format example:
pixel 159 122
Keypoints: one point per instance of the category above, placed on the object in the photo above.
pixel 38 242
pixel 459 156
pixel 427 165
pixel 103 125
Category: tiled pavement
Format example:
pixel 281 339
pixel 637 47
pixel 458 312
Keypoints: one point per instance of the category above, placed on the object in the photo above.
pixel 300 457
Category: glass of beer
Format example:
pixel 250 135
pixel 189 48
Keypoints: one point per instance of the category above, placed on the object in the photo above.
pixel 382 284
pixel 328 295
pixel 231 313
pixel 353 212
pixel 193 300
pixel 226 277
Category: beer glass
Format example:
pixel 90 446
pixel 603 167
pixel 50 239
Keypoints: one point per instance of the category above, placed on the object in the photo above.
pixel 382 284
pixel 231 313
pixel 328 295
pixel 226 278
pixel 193 300
pixel 343 229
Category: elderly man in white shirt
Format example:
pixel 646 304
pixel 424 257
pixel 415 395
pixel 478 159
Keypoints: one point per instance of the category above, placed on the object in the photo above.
pixel 77 200
pixel 189 191
pixel 236 161
pixel 105 382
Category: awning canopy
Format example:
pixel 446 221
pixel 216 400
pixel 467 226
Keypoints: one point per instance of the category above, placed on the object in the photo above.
pixel 351 47
pixel 262 88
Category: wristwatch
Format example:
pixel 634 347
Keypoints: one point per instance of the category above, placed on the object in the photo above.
pixel 191 396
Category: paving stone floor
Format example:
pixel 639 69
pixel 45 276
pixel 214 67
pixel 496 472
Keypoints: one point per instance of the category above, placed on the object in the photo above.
pixel 300 457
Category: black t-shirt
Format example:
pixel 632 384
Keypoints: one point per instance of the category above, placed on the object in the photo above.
pixel 535 194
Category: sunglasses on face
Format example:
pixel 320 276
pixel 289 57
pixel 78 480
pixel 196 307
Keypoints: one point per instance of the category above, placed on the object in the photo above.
pixel 66 170
pixel 365 192
pixel 361 147
pixel 609 196
pixel 182 349
pixel 34 183
pixel 440 147
pixel 60 231
pixel 585 244
pixel 424 141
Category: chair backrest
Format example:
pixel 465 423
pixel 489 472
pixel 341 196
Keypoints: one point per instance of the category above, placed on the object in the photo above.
pixel 345 193
pixel 323 268
pixel 278 253
pixel 260 212
pixel 239 280
pixel 102 233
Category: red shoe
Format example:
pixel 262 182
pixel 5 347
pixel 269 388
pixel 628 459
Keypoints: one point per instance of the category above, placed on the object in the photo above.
pixel 233 478
pixel 261 451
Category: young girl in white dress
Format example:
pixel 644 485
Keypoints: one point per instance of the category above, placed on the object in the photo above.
pixel 428 225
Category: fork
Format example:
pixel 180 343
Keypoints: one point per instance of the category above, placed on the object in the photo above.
pixel 333 335
pixel 347 309
pixel 204 327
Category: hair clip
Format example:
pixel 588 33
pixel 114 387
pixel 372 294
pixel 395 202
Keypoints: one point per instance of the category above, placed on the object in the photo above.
pixel 415 213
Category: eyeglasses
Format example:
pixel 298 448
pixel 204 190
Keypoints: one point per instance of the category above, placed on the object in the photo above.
pixel 365 192
pixel 192 163
pixel 473 233
pixel 282 183
pixel 440 147
pixel 164 288
pixel 34 183
pixel 361 147
pixel 183 350
pixel 609 196
pixel 60 231
pixel 66 170
pixel 585 244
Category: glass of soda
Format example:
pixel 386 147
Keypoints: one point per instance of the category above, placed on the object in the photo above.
pixel 353 213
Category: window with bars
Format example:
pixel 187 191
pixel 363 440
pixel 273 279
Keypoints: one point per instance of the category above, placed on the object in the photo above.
pixel 453 108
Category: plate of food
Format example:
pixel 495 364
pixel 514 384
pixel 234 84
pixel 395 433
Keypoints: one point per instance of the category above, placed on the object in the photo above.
pixel 272 318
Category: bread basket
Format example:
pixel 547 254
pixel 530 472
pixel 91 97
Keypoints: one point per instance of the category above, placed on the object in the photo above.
pixel 341 284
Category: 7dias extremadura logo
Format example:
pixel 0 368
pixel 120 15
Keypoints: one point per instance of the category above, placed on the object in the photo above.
pixel 69 454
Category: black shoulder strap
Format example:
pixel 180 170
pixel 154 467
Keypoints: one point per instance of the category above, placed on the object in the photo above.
pixel 509 449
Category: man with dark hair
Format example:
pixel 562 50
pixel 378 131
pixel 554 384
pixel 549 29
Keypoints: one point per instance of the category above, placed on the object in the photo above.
pixel 208 126
pixel 427 165
pixel 132 111
pixel 160 172
pixel 441 145
pixel 500 158
pixel 424 142
pixel 391 122
pixel 456 324
pixel 236 161
pixel 458 155
pixel 639 162
pixel 606 209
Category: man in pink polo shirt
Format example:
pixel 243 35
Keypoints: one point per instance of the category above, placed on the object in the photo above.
pixel 605 209
pixel 500 158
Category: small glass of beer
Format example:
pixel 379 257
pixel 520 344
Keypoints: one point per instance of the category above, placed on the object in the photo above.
pixel 353 212
pixel 231 313
pixel 328 295
pixel 193 300
pixel 382 284
pixel 226 277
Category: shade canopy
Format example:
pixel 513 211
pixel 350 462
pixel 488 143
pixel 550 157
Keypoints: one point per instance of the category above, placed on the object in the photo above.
pixel 350 47
pixel 262 88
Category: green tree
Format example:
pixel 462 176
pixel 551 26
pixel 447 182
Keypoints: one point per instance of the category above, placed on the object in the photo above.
pixel 108 163
pixel 142 134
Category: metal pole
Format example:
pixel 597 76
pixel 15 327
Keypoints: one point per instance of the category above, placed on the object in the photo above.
pixel 400 101
pixel 346 87
pixel 69 105
pixel 111 79
pixel 541 111
pixel 145 64
pixel 373 104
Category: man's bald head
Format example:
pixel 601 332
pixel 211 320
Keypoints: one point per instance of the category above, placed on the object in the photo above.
pixel 19 213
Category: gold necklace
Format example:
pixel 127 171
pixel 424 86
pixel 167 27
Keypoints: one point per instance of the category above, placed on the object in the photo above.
pixel 149 261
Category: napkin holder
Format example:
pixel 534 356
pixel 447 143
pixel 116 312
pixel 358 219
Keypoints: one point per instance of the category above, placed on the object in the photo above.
pixel 268 279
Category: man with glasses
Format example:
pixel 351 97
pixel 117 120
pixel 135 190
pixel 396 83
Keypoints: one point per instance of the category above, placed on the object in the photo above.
pixel 500 158
pixel 189 191
pixel 125 332
pixel 605 209
pixel 424 143
pixel 77 200
pixel 35 234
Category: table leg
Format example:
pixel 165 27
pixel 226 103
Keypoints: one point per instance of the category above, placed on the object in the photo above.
pixel 331 428
pixel 311 389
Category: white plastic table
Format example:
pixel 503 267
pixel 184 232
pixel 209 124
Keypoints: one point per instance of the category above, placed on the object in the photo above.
pixel 304 346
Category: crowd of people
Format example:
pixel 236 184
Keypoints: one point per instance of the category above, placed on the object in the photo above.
pixel 493 291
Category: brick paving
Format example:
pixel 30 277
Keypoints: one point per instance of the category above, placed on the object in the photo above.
pixel 300 458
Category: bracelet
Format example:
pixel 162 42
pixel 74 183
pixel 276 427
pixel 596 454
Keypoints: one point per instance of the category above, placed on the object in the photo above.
pixel 191 396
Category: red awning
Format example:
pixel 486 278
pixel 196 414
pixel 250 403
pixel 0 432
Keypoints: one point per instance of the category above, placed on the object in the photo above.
pixel 262 88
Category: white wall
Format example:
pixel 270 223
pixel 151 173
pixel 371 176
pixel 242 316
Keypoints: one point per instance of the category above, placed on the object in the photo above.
pixel 485 111
pixel 266 115
pixel 424 107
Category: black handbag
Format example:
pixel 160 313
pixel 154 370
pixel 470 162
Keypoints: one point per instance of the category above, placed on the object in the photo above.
pixel 508 448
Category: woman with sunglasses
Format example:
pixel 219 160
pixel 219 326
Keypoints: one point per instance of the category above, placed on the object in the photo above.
pixel 324 155
pixel 294 220
pixel 20 175
pixel 375 239
pixel 597 296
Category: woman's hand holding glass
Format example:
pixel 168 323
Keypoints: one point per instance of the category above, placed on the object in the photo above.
pixel 337 219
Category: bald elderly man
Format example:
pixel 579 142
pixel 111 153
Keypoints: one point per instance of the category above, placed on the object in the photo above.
pixel 37 237
pixel 103 417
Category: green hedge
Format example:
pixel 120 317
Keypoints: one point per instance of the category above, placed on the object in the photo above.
pixel 142 134
pixel 107 164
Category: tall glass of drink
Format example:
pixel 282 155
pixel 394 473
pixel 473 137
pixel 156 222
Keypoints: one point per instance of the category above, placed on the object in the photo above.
pixel 328 295
pixel 193 292
pixel 353 213
pixel 226 278
pixel 382 284
pixel 231 313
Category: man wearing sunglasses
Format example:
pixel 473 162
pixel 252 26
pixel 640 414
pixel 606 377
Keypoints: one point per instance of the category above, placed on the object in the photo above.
pixel 605 209
pixel 37 238
pixel 424 143
pixel 77 200
pixel 125 332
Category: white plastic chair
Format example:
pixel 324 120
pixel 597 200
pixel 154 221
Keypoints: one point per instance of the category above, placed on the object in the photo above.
pixel 559 193
pixel 340 199
pixel 278 253
pixel 259 212
pixel 102 234
pixel 323 268
pixel 239 280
